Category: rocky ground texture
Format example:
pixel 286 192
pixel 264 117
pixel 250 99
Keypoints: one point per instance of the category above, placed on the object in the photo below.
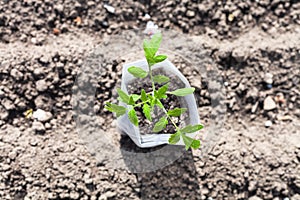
pixel 255 46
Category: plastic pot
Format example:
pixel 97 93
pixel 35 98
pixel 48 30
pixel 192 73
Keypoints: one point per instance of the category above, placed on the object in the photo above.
pixel 154 139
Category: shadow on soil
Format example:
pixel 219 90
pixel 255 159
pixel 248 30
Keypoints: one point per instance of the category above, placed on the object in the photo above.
pixel 174 180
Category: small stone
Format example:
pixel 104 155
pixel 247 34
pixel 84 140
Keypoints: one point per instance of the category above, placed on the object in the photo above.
pixel 38 127
pixel 269 104
pixel 167 23
pixel 48 126
pixel 16 74
pixel 279 98
pixel 41 85
pixel 231 17
pixel 268 78
pixel 44 60
pixel 147 16
pixel 59 8
pixel 4 115
pixel 190 13
pixel 254 107
pixel 255 198
pixel 252 186
pixel 38 72
pixel 296 196
pixel 2 94
pixel 74 195
pixel 8 104
pixel 42 115
pixel 108 195
pixel 268 123
pixel 12 155
pixel 109 8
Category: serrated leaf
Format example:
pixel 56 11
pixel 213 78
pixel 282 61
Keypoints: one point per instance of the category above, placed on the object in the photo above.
pixel 195 144
pixel 119 110
pixel 182 92
pixel 143 95
pixel 135 97
pixel 176 112
pixel 174 138
pixel 147 111
pixel 160 93
pixel 124 97
pixel 133 117
pixel 160 125
pixel 131 101
pixel 151 46
pixel 160 58
pixel 187 141
pixel 160 79
pixel 152 100
pixel 191 128
pixel 137 72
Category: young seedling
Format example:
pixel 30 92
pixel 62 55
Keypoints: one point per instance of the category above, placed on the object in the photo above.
pixel 147 101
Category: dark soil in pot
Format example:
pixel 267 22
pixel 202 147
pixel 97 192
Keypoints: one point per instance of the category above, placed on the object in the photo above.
pixel 169 103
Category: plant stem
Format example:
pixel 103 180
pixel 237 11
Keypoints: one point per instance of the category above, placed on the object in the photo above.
pixel 168 116
pixel 151 78
pixel 153 88
pixel 136 105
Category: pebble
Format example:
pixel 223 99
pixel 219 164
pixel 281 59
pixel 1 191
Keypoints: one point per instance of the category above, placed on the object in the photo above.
pixel 269 104
pixel 8 104
pixel 41 85
pixel 268 123
pixel 38 127
pixel 190 13
pixel 268 78
pixel 255 198
pixel 147 16
pixel 109 8
pixel 4 115
pixel 108 195
pixel 42 115
pixel 16 74
pixel 2 93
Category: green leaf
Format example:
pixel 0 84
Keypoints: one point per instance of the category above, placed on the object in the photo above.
pixel 160 79
pixel 144 95
pixel 119 110
pixel 183 91
pixel 151 47
pixel 160 93
pixel 148 50
pixel 160 58
pixel 188 141
pixel 158 103
pixel 147 111
pixel 133 117
pixel 191 129
pixel 124 97
pixel 152 100
pixel 137 72
pixel 174 138
pixel 135 97
pixel 131 101
pixel 195 144
pixel 176 112
pixel 160 125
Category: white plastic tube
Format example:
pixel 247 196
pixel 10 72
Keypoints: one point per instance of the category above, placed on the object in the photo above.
pixel 151 140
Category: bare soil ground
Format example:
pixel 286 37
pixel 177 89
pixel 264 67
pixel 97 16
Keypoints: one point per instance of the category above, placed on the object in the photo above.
pixel 44 45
